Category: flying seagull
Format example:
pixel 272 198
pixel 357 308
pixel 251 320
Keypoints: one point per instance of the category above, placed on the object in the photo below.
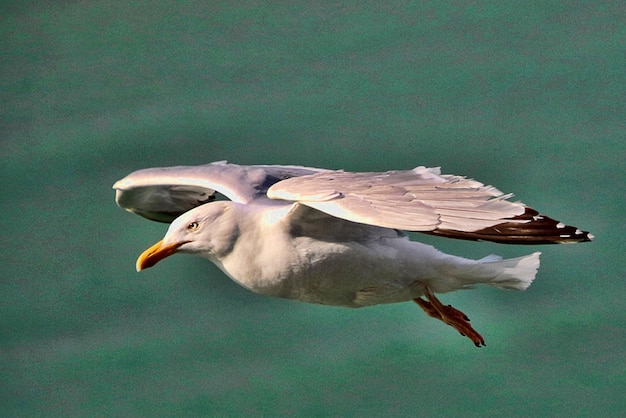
pixel 335 237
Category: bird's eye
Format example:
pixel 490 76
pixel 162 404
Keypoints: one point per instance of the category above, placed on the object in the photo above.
pixel 192 226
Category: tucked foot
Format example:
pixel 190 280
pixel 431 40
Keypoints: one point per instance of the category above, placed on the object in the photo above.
pixel 451 316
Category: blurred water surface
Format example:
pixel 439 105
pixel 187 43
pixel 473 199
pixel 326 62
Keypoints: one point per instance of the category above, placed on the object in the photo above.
pixel 527 96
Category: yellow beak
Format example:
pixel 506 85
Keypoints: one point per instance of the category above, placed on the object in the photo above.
pixel 156 253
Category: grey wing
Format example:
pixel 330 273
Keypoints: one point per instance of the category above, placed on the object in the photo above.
pixel 424 200
pixel 164 193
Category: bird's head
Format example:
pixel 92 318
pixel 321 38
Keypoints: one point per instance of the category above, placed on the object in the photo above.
pixel 209 230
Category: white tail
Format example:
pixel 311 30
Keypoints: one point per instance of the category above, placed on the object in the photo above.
pixel 514 273
pixel 462 273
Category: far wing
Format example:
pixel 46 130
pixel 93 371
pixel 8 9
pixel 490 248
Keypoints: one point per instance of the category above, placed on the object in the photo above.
pixel 164 193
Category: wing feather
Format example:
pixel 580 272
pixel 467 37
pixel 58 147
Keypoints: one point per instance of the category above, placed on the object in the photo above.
pixel 415 200
pixel 164 193
pixel 421 199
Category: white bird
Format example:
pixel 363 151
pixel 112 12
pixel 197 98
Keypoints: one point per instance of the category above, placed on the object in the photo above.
pixel 335 237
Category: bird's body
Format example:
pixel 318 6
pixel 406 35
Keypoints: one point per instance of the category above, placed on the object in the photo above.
pixel 336 262
pixel 335 238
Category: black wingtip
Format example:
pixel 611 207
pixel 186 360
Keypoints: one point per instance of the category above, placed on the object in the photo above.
pixel 529 228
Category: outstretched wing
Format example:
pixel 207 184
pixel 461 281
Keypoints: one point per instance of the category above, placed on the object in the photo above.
pixel 424 200
pixel 163 193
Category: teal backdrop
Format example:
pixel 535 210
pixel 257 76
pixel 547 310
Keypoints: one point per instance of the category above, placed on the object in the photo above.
pixel 528 96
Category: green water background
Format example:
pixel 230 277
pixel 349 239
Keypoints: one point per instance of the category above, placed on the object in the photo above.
pixel 529 96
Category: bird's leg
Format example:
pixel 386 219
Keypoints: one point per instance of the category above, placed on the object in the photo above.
pixel 451 316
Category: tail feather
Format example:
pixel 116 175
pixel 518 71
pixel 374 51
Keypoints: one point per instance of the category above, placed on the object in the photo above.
pixel 514 273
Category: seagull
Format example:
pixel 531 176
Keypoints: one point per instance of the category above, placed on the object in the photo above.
pixel 338 238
